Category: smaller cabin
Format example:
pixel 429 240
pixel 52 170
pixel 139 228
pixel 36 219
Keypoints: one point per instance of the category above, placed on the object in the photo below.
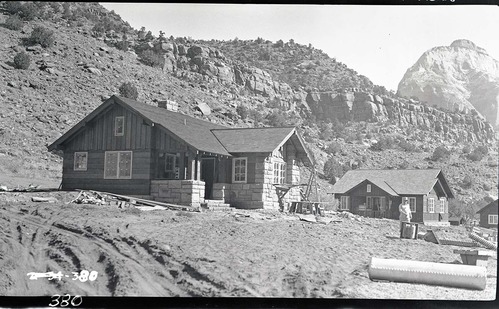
pixel 488 215
pixel 378 193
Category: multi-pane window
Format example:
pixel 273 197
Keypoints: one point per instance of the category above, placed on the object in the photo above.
pixel 80 161
pixel 368 188
pixel 442 205
pixel 492 219
pixel 168 166
pixel 431 205
pixel 239 169
pixel 118 165
pixel 375 202
pixel 345 203
pixel 279 172
pixel 412 204
pixel 119 126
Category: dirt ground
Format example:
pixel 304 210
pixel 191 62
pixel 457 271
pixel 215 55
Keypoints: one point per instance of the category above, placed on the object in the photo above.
pixel 209 254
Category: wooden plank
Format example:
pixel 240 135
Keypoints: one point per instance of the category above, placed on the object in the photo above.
pixel 146 202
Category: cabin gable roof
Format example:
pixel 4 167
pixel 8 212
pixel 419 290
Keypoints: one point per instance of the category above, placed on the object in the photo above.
pixel 395 182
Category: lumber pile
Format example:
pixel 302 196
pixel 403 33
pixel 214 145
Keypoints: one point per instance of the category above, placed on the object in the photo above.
pixel 123 201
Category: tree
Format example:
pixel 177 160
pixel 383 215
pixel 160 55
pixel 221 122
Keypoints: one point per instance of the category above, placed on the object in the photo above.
pixel 128 90
pixel 333 169
pixel 43 36
pixel 14 23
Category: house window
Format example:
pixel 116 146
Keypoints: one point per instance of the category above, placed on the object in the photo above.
pixel 169 166
pixel 375 203
pixel 369 188
pixel 492 219
pixel 345 203
pixel 279 172
pixel 118 165
pixel 442 205
pixel 239 169
pixel 80 161
pixel 119 126
pixel 412 204
pixel 431 205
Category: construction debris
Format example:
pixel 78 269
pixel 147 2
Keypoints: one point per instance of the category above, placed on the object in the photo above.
pixel 475 257
pixel 487 244
pixel 44 199
pixel 442 238
pixel 123 201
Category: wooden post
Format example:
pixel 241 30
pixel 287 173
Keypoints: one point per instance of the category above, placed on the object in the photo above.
pixel 198 168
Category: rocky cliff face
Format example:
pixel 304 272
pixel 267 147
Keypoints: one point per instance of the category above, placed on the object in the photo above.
pixel 460 76
pixel 363 106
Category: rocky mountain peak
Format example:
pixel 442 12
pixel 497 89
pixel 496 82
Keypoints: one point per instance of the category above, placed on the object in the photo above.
pixel 460 77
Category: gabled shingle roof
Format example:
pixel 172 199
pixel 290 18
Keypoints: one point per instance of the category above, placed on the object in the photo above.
pixel 253 139
pixel 492 204
pixel 200 134
pixel 195 132
pixel 394 182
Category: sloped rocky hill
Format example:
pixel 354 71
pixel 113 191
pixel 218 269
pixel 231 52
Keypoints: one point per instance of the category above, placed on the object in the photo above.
pixel 461 76
pixel 94 52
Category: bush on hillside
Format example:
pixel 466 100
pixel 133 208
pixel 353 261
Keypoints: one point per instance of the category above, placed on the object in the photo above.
pixel 466 149
pixel 43 36
pixel 467 182
pixel 150 58
pixel 13 22
pixel 407 146
pixel 29 11
pixel 276 119
pixel 333 148
pixel 242 111
pixel 440 153
pixel 12 7
pixel 22 61
pixel 478 153
pixel 333 169
pixel 128 90
pixel 385 142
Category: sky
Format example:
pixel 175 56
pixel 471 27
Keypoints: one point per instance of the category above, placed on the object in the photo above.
pixel 380 42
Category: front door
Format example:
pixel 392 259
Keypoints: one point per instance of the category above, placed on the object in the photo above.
pixel 208 176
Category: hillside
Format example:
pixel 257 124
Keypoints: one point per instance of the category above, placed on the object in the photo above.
pixel 94 52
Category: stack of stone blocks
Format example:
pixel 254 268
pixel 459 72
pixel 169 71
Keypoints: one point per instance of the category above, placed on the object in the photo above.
pixel 181 192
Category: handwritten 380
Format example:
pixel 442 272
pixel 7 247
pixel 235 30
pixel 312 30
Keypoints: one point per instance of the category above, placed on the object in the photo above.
pixel 83 275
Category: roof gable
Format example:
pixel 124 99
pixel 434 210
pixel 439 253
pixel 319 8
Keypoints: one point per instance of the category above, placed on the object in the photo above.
pixel 493 204
pixel 400 182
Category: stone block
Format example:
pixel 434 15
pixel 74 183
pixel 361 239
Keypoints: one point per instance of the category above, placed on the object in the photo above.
pixel 175 184
pixel 256 196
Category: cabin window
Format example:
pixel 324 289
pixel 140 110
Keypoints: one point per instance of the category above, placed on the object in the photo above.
pixel 169 166
pixel 118 165
pixel 431 205
pixel 492 219
pixel 239 169
pixel 119 126
pixel 279 172
pixel 345 203
pixel 375 203
pixel 369 188
pixel 80 161
pixel 412 204
pixel 442 205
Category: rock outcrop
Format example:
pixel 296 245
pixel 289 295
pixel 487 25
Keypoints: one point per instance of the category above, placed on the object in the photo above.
pixel 461 76
pixel 364 106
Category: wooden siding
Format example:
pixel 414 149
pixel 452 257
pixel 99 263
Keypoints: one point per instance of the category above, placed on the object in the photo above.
pixel 436 215
pixel 98 134
pixel 484 216
pixel 93 177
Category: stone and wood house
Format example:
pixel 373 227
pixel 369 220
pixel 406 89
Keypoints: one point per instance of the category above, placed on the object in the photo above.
pixel 488 215
pixel 378 193
pixel 132 148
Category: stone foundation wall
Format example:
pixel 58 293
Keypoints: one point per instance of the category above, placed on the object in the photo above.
pixel 181 192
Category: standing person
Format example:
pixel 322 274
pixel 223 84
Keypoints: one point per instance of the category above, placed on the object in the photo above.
pixel 405 212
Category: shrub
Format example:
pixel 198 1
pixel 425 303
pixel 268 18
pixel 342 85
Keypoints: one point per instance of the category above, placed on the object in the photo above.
pixel 466 149
pixel 242 111
pixel 29 11
pixel 42 36
pixel 333 148
pixel 12 7
pixel 14 23
pixel 468 182
pixel 478 153
pixel 385 142
pixel 440 153
pixel 128 90
pixel 122 45
pixel 276 119
pixel 22 61
pixel 150 58
pixel 407 146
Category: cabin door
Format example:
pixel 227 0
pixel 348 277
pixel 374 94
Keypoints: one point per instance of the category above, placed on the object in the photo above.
pixel 208 176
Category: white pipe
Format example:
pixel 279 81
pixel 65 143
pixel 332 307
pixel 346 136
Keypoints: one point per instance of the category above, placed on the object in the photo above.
pixel 455 275
pixel 487 244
